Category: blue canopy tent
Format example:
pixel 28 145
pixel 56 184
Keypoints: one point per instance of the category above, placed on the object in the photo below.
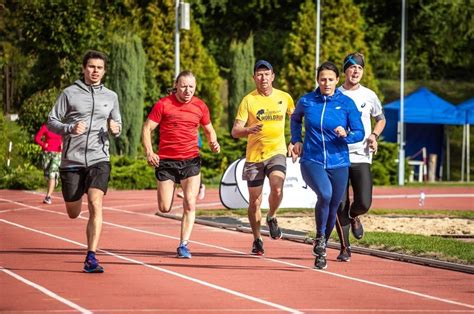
pixel 425 116
pixel 467 109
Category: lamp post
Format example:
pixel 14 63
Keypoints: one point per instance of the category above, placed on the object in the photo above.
pixel 318 32
pixel 401 152
pixel 183 13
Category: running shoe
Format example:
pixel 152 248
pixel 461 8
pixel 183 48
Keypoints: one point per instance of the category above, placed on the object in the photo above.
pixel 319 248
pixel 183 251
pixel 180 194
pixel 275 231
pixel 202 192
pixel 47 200
pixel 257 247
pixel 320 262
pixel 357 228
pixel 344 255
pixel 91 265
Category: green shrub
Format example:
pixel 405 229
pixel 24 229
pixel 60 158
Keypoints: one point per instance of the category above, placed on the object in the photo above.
pixel 22 173
pixel 384 166
pixel 34 111
pixel 22 177
pixel 214 165
pixel 131 174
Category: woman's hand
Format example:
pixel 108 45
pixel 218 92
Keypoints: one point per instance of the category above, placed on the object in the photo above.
pixel 340 131
pixel 296 151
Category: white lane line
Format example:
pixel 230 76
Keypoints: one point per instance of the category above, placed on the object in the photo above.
pixel 169 272
pixel 265 258
pixel 46 291
pixel 427 195
pixel 13 210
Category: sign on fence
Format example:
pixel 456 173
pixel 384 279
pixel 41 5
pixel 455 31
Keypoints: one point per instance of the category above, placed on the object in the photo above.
pixel 296 194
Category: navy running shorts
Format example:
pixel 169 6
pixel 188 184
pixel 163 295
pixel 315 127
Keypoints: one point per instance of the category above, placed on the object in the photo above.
pixel 77 181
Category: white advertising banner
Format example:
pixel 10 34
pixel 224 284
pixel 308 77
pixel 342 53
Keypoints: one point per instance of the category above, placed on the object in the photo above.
pixel 296 194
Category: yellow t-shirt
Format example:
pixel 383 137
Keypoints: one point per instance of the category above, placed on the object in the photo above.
pixel 269 111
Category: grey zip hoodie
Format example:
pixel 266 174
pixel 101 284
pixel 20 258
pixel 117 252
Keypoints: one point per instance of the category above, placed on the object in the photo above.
pixel 94 105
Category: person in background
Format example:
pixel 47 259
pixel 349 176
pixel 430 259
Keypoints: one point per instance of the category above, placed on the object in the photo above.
pixel 179 116
pixel 360 154
pixel 51 144
pixel 331 121
pixel 261 118
pixel 83 114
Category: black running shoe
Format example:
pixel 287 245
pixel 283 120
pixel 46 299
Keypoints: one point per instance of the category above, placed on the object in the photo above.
pixel 319 248
pixel 357 228
pixel 344 255
pixel 257 247
pixel 275 231
pixel 320 262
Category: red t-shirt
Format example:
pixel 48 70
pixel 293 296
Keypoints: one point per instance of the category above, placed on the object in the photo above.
pixel 52 141
pixel 179 124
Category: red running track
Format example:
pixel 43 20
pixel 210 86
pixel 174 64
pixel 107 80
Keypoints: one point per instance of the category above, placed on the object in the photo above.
pixel 42 253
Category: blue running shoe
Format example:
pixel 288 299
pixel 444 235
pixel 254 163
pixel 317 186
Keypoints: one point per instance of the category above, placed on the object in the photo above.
pixel 183 251
pixel 91 265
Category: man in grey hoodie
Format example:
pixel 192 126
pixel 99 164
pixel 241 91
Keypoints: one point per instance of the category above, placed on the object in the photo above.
pixel 83 114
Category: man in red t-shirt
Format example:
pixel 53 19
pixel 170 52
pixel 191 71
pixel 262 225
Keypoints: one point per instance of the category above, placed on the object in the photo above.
pixel 179 116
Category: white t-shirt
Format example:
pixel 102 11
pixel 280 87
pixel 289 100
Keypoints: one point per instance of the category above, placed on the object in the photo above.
pixel 370 106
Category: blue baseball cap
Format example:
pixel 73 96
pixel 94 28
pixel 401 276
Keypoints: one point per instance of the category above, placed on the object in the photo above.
pixel 262 64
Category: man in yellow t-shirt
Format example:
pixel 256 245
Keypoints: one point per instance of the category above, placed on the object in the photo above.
pixel 261 118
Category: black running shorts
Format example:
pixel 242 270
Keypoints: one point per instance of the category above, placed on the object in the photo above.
pixel 77 181
pixel 177 170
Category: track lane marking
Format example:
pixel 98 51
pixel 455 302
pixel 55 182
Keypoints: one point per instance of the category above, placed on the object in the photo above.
pixel 45 291
pixel 426 296
pixel 169 272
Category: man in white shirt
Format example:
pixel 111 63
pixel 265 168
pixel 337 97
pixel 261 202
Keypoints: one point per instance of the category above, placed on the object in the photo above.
pixel 360 154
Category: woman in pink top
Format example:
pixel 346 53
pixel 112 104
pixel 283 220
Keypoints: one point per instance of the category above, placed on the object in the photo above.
pixel 51 144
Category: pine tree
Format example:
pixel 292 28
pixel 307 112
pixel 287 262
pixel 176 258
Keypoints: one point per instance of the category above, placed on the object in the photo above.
pixel 341 34
pixel 240 75
pixel 126 77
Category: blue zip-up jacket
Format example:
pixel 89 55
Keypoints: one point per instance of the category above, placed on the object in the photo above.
pixel 322 114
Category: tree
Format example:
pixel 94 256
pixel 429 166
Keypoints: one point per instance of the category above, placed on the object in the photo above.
pixel 341 34
pixel 127 79
pixel 55 34
pixel 34 110
pixel 224 21
pixel 438 35
pixel 195 57
pixel 240 78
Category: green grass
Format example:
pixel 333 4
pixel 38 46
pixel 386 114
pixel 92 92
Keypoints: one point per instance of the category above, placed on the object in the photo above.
pixel 444 249
pixel 439 248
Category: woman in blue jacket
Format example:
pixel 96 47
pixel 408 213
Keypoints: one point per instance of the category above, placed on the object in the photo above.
pixel 331 121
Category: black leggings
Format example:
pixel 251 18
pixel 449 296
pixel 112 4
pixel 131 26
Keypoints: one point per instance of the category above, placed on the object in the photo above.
pixel 360 178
